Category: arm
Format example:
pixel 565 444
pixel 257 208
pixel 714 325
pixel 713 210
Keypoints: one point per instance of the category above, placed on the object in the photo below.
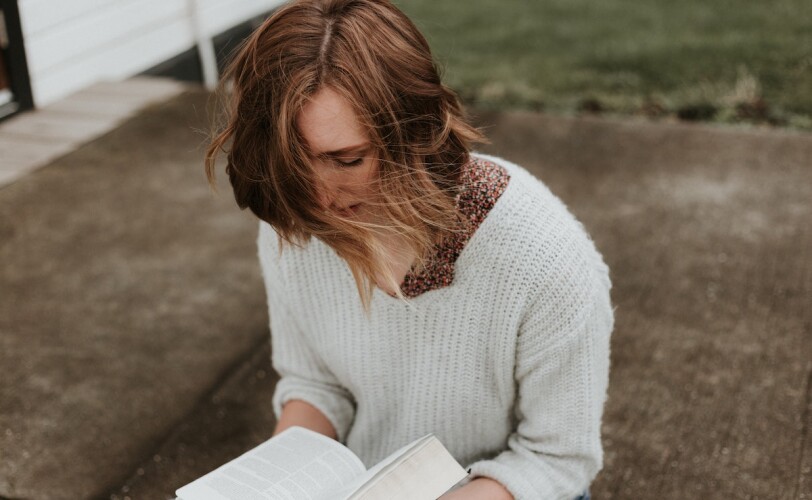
pixel 319 402
pixel 481 488
pixel 561 371
pixel 303 414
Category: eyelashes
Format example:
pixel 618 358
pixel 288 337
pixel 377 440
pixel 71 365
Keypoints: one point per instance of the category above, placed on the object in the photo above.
pixel 351 163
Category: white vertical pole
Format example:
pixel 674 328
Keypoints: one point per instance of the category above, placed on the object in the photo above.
pixel 205 46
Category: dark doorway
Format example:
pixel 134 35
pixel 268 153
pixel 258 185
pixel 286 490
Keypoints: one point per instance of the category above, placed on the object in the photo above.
pixel 15 86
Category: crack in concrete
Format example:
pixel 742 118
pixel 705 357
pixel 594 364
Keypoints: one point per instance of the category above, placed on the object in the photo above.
pixel 175 430
pixel 805 417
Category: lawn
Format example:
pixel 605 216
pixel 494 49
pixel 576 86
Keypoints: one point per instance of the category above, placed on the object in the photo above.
pixel 717 60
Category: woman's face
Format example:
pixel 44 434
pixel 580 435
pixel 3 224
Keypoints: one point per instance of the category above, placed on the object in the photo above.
pixel 341 154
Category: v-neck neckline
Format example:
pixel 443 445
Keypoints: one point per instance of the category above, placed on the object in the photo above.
pixel 503 178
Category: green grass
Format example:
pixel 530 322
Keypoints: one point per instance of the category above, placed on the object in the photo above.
pixel 718 60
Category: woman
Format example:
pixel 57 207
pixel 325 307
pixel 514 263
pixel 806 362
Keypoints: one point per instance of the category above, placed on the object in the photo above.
pixel 413 287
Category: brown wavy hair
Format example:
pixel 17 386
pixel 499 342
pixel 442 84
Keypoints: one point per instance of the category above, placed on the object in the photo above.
pixel 372 55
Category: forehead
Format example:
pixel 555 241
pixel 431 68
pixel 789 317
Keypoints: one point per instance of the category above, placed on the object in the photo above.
pixel 328 123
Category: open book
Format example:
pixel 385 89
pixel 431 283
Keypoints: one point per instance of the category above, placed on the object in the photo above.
pixel 299 464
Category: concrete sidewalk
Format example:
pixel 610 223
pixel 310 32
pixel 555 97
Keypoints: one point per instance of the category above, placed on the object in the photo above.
pixel 134 330
pixel 33 139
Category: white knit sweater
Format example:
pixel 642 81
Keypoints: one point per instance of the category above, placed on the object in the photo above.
pixel 507 366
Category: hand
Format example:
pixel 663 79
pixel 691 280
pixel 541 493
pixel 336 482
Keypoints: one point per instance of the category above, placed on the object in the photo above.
pixel 480 488
pixel 303 414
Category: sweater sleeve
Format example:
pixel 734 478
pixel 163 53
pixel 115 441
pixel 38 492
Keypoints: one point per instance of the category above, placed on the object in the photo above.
pixel 303 374
pixel 562 365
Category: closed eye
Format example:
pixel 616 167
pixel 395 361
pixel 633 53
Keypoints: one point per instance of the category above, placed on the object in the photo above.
pixel 350 163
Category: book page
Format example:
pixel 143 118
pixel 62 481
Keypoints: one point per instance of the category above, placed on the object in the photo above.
pixel 359 481
pixel 296 464
pixel 421 470
pixel 422 473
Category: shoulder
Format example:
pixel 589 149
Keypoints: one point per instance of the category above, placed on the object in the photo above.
pixel 530 218
pixel 281 261
pixel 562 281
pixel 529 199
pixel 269 247
pixel 547 243
pixel 268 251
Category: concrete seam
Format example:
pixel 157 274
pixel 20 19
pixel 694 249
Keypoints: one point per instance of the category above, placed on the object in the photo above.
pixel 228 374
pixel 805 417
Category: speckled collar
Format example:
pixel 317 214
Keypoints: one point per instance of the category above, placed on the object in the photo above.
pixel 483 183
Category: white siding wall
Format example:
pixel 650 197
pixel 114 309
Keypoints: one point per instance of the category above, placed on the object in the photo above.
pixel 73 43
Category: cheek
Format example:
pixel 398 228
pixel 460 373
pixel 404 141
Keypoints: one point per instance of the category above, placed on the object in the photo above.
pixel 371 181
pixel 370 174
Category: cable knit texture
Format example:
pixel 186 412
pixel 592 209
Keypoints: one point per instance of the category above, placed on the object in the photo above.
pixel 507 365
